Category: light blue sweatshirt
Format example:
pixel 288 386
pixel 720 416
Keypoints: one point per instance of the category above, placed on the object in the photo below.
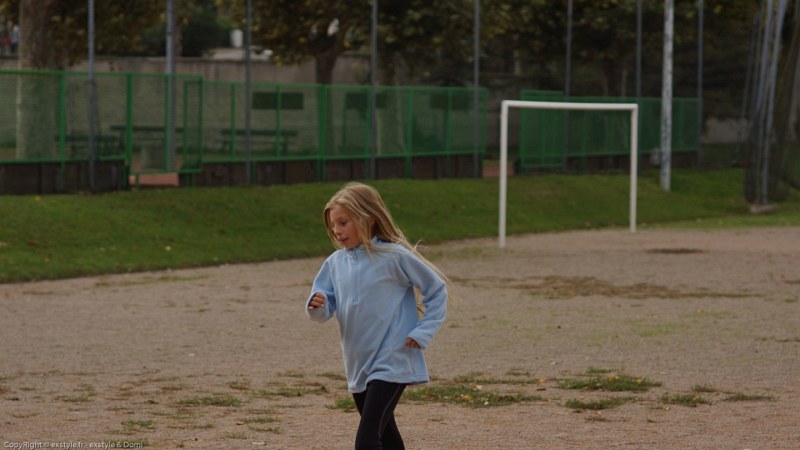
pixel 372 296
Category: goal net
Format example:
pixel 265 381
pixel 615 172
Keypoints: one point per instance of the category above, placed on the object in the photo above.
pixel 506 105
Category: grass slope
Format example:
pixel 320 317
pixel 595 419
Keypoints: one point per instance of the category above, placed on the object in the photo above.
pixel 77 235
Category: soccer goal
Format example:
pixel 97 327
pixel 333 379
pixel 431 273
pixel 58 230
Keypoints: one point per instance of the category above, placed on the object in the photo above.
pixel 506 105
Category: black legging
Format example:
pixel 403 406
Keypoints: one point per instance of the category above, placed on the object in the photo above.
pixel 377 429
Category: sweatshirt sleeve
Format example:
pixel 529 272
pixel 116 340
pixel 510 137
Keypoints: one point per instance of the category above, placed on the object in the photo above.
pixel 323 283
pixel 434 298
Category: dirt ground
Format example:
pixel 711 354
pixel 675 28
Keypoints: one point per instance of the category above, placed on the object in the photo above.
pixel 225 358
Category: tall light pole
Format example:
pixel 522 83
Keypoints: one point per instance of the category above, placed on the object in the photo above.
pixel 638 50
pixel 373 64
pixel 92 100
pixel 666 95
pixel 700 121
pixel 568 58
pixel 170 113
pixel 248 88
pixel 639 62
pixel 476 65
pixel 567 83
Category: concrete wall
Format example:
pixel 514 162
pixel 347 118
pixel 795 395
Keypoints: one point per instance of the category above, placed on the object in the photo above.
pixel 348 70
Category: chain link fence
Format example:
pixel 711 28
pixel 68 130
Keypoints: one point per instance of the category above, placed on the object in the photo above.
pixel 296 132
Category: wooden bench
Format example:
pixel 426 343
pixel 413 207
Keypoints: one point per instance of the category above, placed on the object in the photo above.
pixel 150 133
pixel 77 143
pixel 261 139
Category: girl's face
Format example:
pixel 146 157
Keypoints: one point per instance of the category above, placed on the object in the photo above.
pixel 343 228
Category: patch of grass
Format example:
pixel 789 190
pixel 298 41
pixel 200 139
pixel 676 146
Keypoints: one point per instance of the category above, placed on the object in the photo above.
pixel 253 422
pixel 235 435
pixel 139 424
pixel 346 404
pixel 212 401
pixel 75 398
pixel 596 405
pixel 596 418
pixel 240 385
pixel 290 391
pixel 597 371
pixel 156 229
pixel 609 382
pixel 516 372
pixel 260 420
pixel 313 386
pixel 691 400
pixel 477 378
pixel 742 397
pixel 292 374
pixel 284 392
pixel 333 376
pixel 470 377
pixel 274 430
pixel 472 396
pixel 260 411
pixel 703 389
pixel 193 426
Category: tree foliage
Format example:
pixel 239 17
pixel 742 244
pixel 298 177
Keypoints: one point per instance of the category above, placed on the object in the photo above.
pixel 54 32
pixel 411 33
pixel 522 41
pixel 531 37
pixel 198 30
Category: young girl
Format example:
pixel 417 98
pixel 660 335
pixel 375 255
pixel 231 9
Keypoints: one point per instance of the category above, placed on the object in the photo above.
pixel 372 284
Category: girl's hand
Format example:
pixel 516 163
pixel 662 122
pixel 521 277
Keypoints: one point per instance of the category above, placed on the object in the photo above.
pixel 412 343
pixel 317 301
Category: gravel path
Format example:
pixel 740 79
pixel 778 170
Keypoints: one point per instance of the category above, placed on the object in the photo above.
pixel 225 358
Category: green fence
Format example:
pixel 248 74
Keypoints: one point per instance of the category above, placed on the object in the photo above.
pixel 46 116
pixel 321 123
pixel 557 139
pixel 45 119
pixel 44 124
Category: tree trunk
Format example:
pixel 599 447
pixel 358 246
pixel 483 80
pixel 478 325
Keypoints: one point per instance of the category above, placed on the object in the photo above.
pixel 36 51
pixel 37 95
pixel 325 62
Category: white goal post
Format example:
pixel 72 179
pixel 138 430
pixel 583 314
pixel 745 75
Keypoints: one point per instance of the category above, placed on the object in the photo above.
pixel 507 104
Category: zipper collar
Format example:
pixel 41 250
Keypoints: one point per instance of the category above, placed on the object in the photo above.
pixel 360 248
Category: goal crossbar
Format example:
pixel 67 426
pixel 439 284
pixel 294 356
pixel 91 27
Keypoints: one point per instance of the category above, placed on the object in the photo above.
pixel 506 105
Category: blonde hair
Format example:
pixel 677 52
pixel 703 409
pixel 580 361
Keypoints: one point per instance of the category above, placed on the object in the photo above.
pixel 365 207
